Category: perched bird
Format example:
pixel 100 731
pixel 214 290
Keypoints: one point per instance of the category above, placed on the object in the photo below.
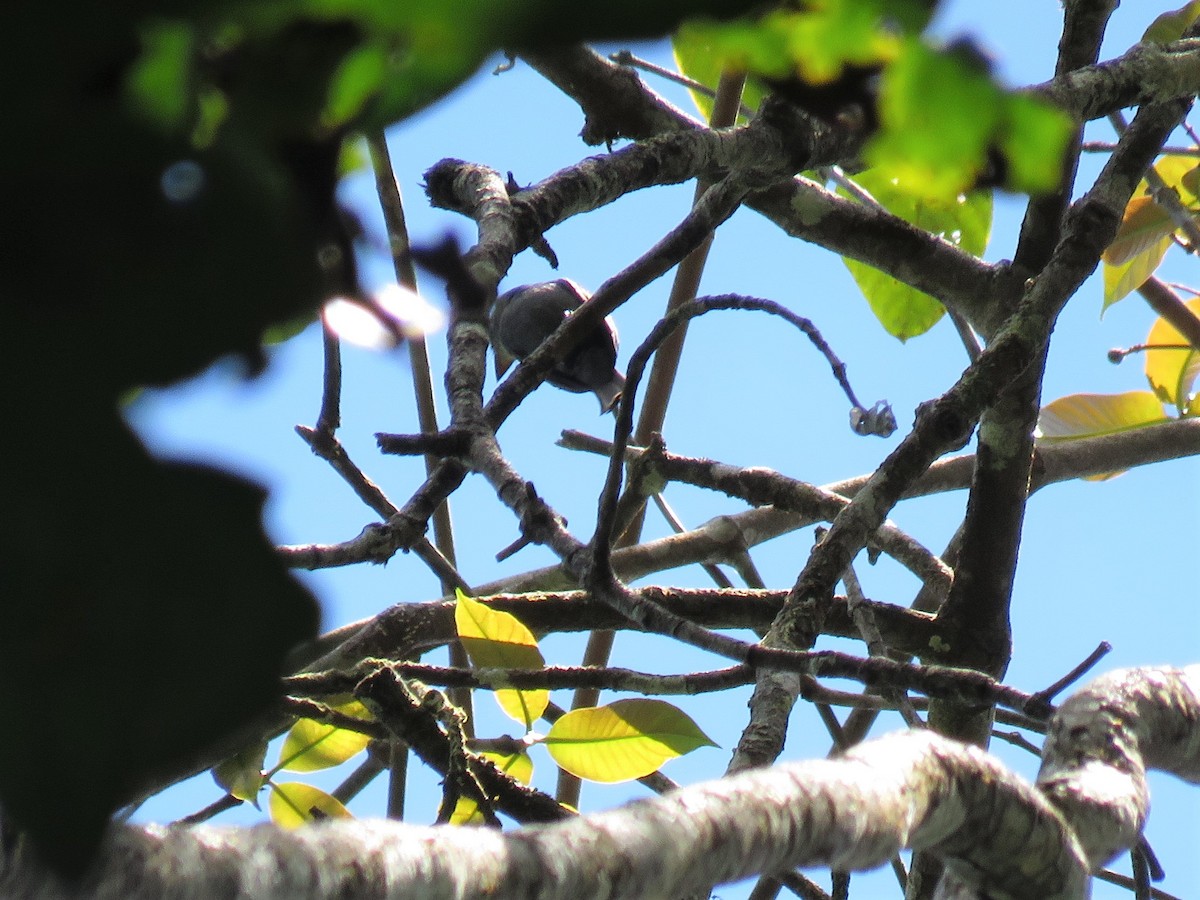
pixel 525 316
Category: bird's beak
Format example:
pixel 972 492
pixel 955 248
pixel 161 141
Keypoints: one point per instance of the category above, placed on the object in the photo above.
pixel 503 360
pixel 609 394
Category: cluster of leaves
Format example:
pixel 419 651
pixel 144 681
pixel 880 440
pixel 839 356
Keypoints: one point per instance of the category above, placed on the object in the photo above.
pixel 1154 219
pixel 619 741
pixel 944 125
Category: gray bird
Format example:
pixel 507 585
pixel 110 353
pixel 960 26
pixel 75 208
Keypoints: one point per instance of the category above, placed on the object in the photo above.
pixel 525 316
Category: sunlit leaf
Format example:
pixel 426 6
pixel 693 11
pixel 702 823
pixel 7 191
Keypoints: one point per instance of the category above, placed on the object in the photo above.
pixel 938 113
pixel 1170 26
pixel 241 775
pixel 813 44
pixel 1172 372
pixel 516 765
pixel 1032 138
pixel 695 58
pixel 498 640
pixel 941 113
pixel 624 740
pixel 1120 280
pixel 312 745
pixel 1088 415
pixel 1146 228
pixel 293 804
pixel 965 221
pixel 1178 171
pixel 1143 226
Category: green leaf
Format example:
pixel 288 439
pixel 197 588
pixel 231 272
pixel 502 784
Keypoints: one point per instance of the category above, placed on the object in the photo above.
pixel 1088 415
pixel 937 113
pixel 1032 138
pixel 964 220
pixel 941 114
pixel 312 745
pixel 1170 26
pixel 498 640
pixel 241 775
pixel 294 804
pixel 814 44
pixel 355 82
pixel 159 85
pixel 696 58
pixel 624 740
pixel 1172 372
pixel 285 331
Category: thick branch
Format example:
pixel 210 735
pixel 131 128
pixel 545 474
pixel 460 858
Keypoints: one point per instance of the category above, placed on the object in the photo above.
pixel 908 790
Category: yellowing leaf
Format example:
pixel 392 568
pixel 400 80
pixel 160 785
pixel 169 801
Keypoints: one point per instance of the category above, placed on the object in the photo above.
pixel 1129 276
pixel 965 221
pixel 241 775
pixel 1172 372
pixel 294 804
pixel 518 765
pixel 498 640
pixel 312 745
pixel 1177 171
pixel 1146 228
pixel 624 740
pixel 1088 415
pixel 1144 225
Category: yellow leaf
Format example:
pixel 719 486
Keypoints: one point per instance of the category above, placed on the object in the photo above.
pixel 312 745
pixel 1119 280
pixel 1089 415
pixel 294 804
pixel 1146 229
pixel 624 740
pixel 1172 372
pixel 498 640
pixel 1144 224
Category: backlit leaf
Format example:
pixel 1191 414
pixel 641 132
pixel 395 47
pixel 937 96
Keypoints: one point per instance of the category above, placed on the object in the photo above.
pixel 1170 26
pixel 241 775
pixel 695 57
pixel 1144 225
pixel 294 804
pixel 1172 372
pixel 312 745
pixel 624 740
pixel 965 221
pixel 1088 415
pixel 1146 228
pixel 1120 280
pixel 498 640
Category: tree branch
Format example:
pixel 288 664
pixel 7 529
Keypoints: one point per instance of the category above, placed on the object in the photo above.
pixel 913 789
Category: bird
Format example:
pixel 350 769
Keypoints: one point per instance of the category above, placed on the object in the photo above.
pixel 525 316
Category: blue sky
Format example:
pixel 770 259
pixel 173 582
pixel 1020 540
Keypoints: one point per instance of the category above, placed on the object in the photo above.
pixel 1100 561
